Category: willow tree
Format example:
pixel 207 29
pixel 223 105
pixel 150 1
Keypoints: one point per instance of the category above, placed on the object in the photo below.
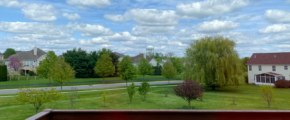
pixel 215 62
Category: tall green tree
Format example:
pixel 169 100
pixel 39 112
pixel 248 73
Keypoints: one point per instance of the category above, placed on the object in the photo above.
pixel 61 72
pixel 144 89
pixel 144 68
pixel 177 64
pixel 244 63
pixel 46 65
pixel 9 52
pixel 104 66
pixel 115 61
pixel 215 61
pixel 168 71
pixel 105 51
pixel 127 70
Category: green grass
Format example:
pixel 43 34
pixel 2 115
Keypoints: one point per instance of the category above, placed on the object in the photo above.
pixel 247 98
pixel 46 81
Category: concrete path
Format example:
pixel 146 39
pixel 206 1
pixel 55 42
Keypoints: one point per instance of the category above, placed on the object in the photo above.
pixel 81 87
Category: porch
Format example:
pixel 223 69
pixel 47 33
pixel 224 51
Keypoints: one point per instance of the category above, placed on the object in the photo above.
pixel 267 78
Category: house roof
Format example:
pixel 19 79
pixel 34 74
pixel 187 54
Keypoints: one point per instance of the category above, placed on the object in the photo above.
pixel 119 54
pixel 271 73
pixel 138 58
pixel 29 55
pixel 269 58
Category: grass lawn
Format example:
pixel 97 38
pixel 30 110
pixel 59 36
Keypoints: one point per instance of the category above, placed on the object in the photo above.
pixel 46 81
pixel 247 98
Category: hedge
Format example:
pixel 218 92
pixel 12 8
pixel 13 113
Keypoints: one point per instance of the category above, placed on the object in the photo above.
pixel 282 84
pixel 3 73
pixel 157 70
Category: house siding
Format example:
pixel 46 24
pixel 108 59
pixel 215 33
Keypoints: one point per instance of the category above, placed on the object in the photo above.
pixel 153 62
pixel 268 68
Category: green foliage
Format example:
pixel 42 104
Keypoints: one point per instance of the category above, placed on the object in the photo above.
pixel 168 71
pixel 104 66
pixel 267 93
pixel 215 62
pixel 104 98
pixel 61 72
pixel 131 91
pixel 127 70
pixel 31 73
pixel 157 70
pixel 44 68
pixel 144 89
pixel 2 62
pixel 157 55
pixel 82 62
pixel 244 63
pixel 159 60
pixel 37 97
pixel 13 74
pixel 105 51
pixel 3 73
pixel 144 68
pixel 9 52
pixel 177 64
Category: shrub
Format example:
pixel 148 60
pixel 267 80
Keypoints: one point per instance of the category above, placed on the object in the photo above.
pixel 31 73
pixel 144 89
pixel 3 73
pixel 157 70
pixel 131 91
pixel 267 94
pixel 189 90
pixel 282 84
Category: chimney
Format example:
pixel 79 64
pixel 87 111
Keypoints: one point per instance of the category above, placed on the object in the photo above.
pixel 35 51
pixel 144 55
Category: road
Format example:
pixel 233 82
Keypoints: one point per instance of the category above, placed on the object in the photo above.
pixel 81 87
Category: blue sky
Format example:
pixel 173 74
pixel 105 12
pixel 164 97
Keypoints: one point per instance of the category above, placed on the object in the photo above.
pixel 128 26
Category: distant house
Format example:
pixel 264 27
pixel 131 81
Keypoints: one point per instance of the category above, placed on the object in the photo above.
pixel 164 61
pixel 30 59
pixel 266 68
pixel 121 56
pixel 1 56
pixel 136 60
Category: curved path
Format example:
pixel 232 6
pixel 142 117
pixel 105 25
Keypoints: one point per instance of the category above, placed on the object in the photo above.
pixel 12 91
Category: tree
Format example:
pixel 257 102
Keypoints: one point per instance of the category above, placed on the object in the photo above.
pixel 177 64
pixel 158 61
pixel 37 97
pixel 9 52
pixel 168 71
pixel 131 91
pixel 73 95
pixel 13 74
pixel 244 63
pixel 127 70
pixel 3 73
pixel 170 55
pixel 2 62
pixel 61 72
pixel 267 94
pixel 144 68
pixel 45 66
pixel 104 51
pixel 115 61
pixel 215 61
pixel 189 90
pixel 144 89
pixel 105 98
pixel 104 67
pixel 14 63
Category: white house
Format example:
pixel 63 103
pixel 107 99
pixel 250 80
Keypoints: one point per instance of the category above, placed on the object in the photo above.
pixel 30 59
pixel 266 68
pixel 136 60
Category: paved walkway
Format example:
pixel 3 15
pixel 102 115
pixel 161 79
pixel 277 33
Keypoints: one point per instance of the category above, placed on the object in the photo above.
pixel 81 87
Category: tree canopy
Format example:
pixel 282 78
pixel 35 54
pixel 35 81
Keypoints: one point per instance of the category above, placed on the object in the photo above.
pixel 46 65
pixel 244 63
pixel 9 52
pixel 144 68
pixel 14 63
pixel 104 66
pixel 168 71
pixel 177 64
pixel 127 70
pixel 215 62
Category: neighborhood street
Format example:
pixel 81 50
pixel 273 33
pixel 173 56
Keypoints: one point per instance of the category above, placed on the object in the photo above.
pixel 12 91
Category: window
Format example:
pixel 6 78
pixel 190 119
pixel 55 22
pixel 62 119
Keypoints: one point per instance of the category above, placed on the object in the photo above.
pixel 285 67
pixel 260 68
pixel 273 68
pixel 250 67
pixel 26 63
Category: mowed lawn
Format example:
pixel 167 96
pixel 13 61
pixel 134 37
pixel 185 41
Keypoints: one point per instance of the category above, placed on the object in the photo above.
pixel 247 98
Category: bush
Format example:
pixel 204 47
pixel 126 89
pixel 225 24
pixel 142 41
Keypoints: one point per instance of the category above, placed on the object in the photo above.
pixel 31 73
pixel 282 84
pixel 157 70
pixel 3 73
pixel 267 94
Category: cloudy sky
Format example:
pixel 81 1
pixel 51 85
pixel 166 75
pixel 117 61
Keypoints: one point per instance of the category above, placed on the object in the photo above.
pixel 128 26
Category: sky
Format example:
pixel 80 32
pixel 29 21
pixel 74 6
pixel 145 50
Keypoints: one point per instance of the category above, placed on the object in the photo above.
pixel 129 26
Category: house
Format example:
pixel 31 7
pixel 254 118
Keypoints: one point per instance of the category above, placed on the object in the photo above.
pixel 164 61
pixel 30 59
pixel 266 68
pixel 121 56
pixel 1 56
pixel 136 60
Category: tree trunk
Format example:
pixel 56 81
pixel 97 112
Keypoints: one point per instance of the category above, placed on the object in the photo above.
pixel 103 79
pixel 130 100
pixel 188 103
pixel 61 87
pixel 213 87
pixel 36 110
pixel 268 104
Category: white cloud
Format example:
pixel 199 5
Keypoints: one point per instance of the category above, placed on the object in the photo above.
pixel 276 28
pixel 38 12
pixel 152 30
pixel 187 36
pixel 93 30
pixel 287 1
pixel 94 41
pixel 94 3
pixel 12 3
pixel 71 16
pixel 277 16
pixel 147 17
pixel 217 26
pixel 200 10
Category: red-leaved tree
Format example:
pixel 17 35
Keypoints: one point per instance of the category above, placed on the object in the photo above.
pixel 189 90
pixel 15 63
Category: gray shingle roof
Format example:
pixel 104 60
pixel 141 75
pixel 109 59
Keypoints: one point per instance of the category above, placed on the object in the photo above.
pixel 29 55
pixel 138 58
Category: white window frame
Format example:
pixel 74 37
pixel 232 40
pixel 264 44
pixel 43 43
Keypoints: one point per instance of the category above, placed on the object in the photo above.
pixel 260 67
pixel 273 68
pixel 285 67
pixel 250 67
